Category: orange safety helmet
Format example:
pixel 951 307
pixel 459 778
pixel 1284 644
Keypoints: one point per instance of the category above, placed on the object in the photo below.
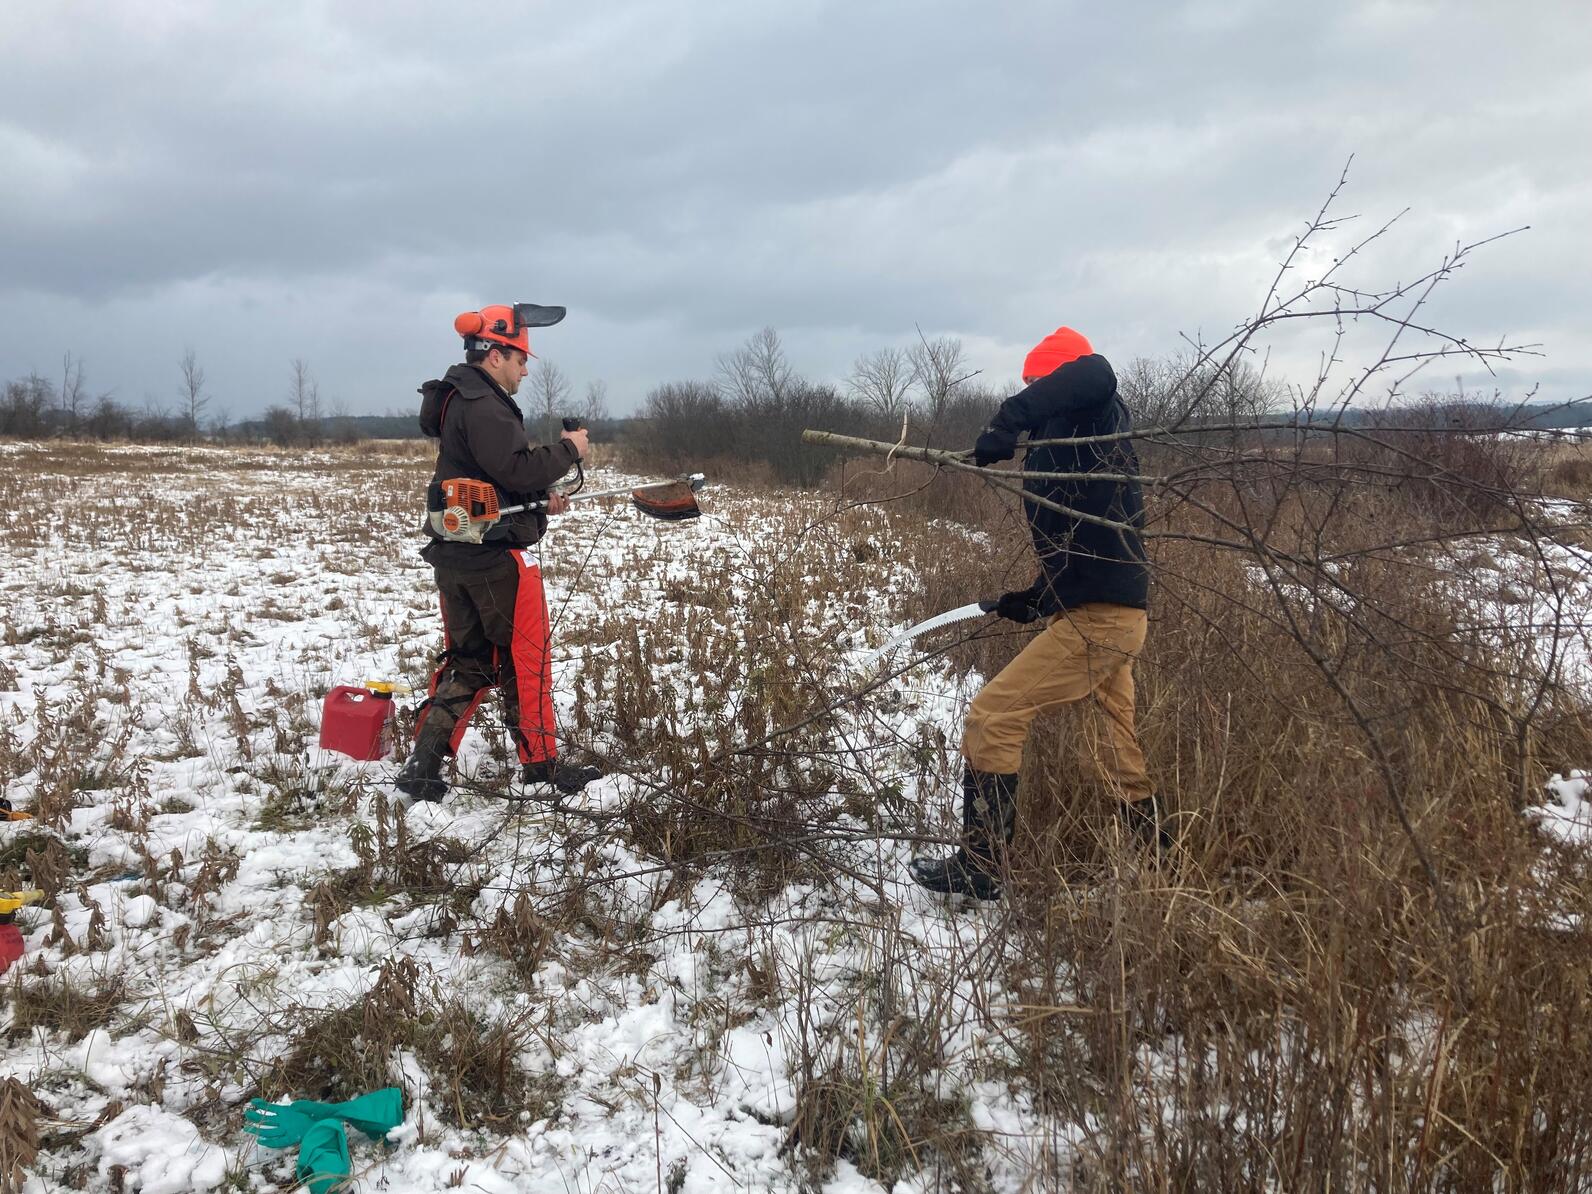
pixel 491 327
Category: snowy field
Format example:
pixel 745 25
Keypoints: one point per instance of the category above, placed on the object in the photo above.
pixel 616 994
pixel 174 618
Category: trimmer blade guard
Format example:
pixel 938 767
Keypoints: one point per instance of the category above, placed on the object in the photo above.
pixel 672 501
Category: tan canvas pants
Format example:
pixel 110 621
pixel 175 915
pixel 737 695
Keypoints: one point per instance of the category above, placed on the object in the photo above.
pixel 1083 652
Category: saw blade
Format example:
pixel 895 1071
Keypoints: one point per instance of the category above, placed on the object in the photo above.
pixel 960 614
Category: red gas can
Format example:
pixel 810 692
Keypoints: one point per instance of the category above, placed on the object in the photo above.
pixel 354 721
pixel 10 945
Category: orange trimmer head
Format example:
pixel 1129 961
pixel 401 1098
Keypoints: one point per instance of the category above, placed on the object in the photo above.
pixel 671 500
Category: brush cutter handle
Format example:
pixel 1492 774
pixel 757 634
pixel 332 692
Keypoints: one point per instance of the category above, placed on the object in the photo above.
pixel 572 424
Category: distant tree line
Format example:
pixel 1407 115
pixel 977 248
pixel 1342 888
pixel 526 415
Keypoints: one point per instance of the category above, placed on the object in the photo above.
pixel 751 411
pixel 36 406
pixel 754 408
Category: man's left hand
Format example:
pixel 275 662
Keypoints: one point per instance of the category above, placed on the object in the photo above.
pixel 557 503
pixel 991 448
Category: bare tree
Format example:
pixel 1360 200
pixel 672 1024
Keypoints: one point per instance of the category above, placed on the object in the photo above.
pixel 595 406
pixel 1172 390
pixel 304 395
pixel 938 367
pixel 681 417
pixel 549 392
pixel 192 391
pixel 880 381
pixel 74 392
pixel 758 373
pixel 22 411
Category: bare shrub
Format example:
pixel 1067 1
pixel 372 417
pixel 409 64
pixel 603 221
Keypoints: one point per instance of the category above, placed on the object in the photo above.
pixel 20 1111
pixel 471 1062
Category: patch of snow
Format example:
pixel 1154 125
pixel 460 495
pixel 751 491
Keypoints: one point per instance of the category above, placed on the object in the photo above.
pixel 162 1153
pixel 1567 817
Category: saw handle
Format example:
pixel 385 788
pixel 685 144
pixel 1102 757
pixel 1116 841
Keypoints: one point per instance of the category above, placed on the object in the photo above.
pixel 988 606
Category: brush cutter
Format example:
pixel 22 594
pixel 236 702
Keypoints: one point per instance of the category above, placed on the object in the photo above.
pixel 470 507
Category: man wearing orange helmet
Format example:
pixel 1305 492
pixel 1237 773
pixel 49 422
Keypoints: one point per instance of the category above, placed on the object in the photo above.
pixel 1092 592
pixel 494 613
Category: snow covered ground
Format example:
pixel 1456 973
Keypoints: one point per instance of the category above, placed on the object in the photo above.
pixel 174 617
pixel 232 908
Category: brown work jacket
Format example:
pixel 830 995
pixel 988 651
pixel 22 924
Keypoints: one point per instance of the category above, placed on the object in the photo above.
pixel 480 433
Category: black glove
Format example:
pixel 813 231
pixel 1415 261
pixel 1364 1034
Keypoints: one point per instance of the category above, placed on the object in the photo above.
pixel 990 448
pixel 1017 607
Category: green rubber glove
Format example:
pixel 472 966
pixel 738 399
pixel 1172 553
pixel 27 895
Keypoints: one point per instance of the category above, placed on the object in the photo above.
pixel 278 1126
pixel 274 1125
pixel 374 1114
pixel 323 1157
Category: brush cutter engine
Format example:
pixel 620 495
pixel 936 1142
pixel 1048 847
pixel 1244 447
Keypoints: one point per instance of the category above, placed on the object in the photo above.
pixel 469 509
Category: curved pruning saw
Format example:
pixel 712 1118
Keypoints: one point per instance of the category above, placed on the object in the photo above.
pixel 960 614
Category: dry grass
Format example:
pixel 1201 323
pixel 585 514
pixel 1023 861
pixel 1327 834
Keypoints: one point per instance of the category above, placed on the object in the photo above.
pixel 60 1005
pixel 477 1081
pixel 1565 470
pixel 1290 1005
pixel 20 1110
pixel 1286 1006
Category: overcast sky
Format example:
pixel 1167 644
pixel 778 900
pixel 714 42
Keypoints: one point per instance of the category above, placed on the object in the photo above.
pixel 335 180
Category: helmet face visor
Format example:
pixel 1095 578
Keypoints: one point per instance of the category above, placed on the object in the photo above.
pixel 534 315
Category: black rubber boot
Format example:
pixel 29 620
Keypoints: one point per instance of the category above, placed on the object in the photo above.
pixel 1146 823
pixel 421 777
pixel 989 818
pixel 566 777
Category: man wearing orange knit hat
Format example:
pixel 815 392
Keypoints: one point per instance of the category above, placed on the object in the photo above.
pixel 1092 591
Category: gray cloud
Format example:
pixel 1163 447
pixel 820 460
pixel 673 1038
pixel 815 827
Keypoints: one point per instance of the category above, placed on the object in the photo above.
pixel 335 182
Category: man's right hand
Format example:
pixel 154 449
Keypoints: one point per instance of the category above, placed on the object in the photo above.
pixel 578 438
pixel 1017 607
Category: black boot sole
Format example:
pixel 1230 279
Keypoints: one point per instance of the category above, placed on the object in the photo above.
pixel 427 791
pixel 941 879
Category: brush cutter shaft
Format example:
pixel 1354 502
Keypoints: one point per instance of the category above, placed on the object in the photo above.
pixel 686 485
pixel 694 480
pixel 574 497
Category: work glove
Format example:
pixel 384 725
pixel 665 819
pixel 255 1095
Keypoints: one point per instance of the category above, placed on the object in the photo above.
pixel 1017 607
pixel 992 446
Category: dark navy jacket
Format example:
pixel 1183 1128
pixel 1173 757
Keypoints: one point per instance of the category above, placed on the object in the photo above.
pixel 1080 561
